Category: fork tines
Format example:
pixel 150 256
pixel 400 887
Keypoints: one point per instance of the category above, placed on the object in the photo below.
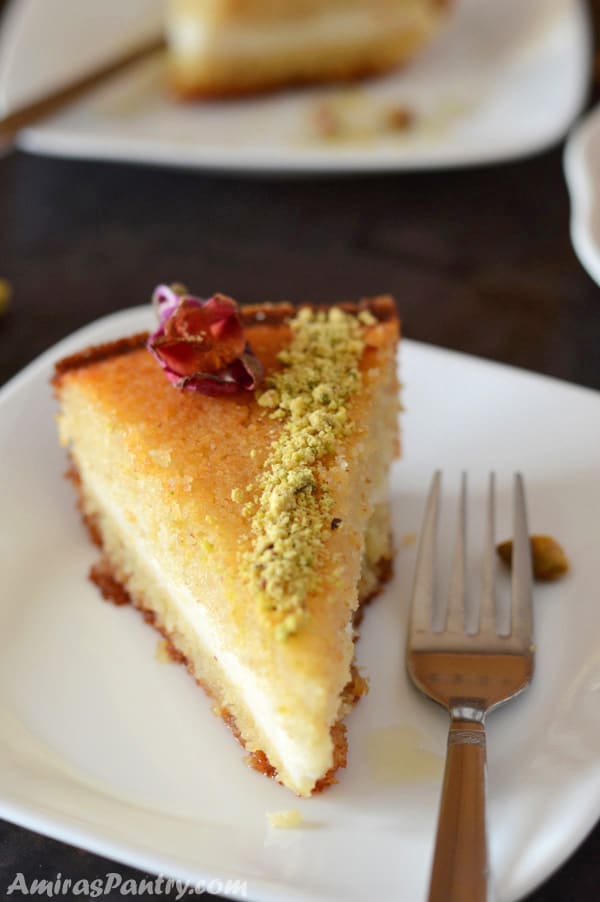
pixel 488 619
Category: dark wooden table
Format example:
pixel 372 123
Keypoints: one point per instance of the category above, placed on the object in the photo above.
pixel 480 261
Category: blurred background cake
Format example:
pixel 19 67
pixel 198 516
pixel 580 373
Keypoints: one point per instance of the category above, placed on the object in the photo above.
pixel 233 47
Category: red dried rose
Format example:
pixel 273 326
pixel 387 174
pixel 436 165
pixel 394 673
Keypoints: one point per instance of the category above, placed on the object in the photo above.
pixel 201 344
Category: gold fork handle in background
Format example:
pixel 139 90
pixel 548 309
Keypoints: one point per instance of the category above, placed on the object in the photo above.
pixel 460 870
pixel 12 124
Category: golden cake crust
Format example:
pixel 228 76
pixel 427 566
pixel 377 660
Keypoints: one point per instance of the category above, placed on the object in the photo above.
pixel 382 307
pixel 274 11
pixel 187 88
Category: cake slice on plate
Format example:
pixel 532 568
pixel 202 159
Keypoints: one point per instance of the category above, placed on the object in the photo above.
pixel 233 468
pixel 224 47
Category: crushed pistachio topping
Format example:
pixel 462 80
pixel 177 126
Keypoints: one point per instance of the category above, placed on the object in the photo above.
pixel 293 512
pixel 367 318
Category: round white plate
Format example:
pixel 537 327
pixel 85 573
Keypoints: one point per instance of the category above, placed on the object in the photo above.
pixel 104 746
pixel 498 82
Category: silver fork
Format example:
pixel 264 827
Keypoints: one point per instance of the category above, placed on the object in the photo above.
pixel 470 669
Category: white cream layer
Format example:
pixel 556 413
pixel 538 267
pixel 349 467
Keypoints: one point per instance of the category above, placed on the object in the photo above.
pixel 191 36
pixel 304 770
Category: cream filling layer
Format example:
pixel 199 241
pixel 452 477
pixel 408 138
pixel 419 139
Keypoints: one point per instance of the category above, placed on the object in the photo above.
pixel 190 36
pixel 303 769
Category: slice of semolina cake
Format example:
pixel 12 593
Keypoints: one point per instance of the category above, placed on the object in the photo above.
pixel 233 468
pixel 225 47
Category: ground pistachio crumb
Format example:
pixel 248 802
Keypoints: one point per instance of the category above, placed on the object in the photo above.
pixel 268 398
pixel 320 373
pixel 366 318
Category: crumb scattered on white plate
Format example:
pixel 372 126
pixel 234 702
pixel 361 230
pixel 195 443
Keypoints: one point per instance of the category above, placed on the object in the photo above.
pixel 283 820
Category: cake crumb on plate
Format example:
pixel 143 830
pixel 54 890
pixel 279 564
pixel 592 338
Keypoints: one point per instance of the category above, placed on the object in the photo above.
pixel 283 820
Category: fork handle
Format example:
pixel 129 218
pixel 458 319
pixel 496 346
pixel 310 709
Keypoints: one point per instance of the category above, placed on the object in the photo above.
pixel 460 870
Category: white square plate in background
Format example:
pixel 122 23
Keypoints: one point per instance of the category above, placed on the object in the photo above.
pixel 501 80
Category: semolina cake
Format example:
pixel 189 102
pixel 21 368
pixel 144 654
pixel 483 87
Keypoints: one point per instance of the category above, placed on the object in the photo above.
pixel 227 47
pixel 233 469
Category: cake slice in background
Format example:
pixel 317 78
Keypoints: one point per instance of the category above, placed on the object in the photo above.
pixel 225 47
pixel 247 517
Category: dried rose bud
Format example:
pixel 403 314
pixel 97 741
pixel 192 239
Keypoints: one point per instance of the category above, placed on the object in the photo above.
pixel 548 558
pixel 201 344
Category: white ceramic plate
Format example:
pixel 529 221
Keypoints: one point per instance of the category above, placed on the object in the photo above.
pixel 582 168
pixel 106 747
pixel 501 81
